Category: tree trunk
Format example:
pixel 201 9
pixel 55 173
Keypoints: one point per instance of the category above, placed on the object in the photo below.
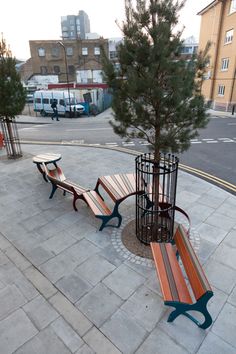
pixel 11 138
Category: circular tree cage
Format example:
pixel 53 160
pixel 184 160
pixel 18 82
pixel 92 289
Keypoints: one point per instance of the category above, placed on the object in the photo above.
pixel 11 138
pixel 155 199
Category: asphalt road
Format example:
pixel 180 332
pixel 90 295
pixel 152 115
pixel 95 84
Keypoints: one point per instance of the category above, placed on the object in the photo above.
pixel 214 152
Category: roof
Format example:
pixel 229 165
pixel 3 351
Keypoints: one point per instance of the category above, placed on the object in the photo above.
pixel 208 7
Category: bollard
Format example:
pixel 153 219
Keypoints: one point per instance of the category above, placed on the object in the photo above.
pixel 233 108
pixel 1 140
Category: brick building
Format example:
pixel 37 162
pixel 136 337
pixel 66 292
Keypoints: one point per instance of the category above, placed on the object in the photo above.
pixel 83 59
pixel 218 25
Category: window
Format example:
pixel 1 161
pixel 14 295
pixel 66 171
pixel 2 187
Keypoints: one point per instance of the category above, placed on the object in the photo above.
pixel 64 28
pixel 41 52
pixel 72 28
pixel 62 102
pixel 56 69
pixel 71 69
pixel 232 6
pixel 43 70
pixel 45 100
pixel 229 36
pixel 55 52
pixel 224 64
pixel 113 55
pixel 69 51
pixel 53 100
pixel 37 100
pixel 96 51
pixel 84 51
pixel 186 50
pixel 221 90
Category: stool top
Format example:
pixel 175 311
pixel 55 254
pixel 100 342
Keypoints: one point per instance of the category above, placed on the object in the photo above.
pixel 46 158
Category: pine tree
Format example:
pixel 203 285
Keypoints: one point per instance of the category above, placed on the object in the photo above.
pixel 156 93
pixel 12 94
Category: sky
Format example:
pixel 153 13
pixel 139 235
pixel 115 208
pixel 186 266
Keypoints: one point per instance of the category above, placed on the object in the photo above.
pixel 24 20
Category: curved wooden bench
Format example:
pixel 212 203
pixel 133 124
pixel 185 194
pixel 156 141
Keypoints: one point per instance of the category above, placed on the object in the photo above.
pixel 100 209
pixel 173 285
pixel 59 181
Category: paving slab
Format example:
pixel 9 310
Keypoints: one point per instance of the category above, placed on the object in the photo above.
pixel 66 289
pixel 15 330
pixel 99 304
pixel 124 281
pixel 40 312
pixel 125 333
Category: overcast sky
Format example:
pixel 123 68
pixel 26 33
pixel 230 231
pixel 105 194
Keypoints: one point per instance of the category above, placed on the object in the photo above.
pixel 24 20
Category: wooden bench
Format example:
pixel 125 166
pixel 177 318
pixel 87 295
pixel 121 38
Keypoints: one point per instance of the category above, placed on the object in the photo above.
pixel 100 209
pixel 118 187
pixel 174 288
pixel 59 181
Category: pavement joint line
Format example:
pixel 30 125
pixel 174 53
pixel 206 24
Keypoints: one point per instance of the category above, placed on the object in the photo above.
pixel 37 287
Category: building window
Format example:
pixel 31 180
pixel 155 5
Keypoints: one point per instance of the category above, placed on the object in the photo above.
pixel 224 64
pixel 41 52
pixel 71 69
pixel 56 69
pixel 229 36
pixel 113 55
pixel 43 70
pixel 64 28
pixel 186 50
pixel 84 51
pixel 69 51
pixel 96 51
pixel 232 6
pixel 221 90
pixel 55 52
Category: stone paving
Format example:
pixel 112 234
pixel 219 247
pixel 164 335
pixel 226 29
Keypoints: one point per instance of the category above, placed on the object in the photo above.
pixel 65 287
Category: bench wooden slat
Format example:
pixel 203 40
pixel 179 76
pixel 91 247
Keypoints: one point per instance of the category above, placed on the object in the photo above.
pixel 119 186
pixel 172 282
pixel 56 173
pixel 96 203
pixel 194 271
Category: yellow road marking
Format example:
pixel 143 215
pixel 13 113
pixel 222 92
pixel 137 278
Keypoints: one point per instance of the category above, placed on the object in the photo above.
pixel 220 181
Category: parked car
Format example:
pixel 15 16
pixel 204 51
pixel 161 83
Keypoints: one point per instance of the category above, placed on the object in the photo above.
pixel 65 104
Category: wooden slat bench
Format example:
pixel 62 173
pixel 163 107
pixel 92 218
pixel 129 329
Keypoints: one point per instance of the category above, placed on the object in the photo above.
pixel 174 288
pixel 100 209
pixel 59 181
pixel 118 187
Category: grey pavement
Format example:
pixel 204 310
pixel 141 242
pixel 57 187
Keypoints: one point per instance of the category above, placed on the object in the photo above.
pixel 65 287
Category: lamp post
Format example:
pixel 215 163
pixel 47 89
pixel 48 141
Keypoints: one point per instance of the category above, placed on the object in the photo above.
pixel 67 79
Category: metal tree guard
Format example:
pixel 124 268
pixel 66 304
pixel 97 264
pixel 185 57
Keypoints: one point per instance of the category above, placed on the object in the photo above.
pixel 11 138
pixel 155 199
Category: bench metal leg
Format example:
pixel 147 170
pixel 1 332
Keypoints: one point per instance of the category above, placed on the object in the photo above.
pixel 54 188
pixel 200 306
pixel 41 170
pixel 106 218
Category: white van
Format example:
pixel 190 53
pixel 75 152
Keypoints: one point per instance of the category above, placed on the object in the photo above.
pixel 43 100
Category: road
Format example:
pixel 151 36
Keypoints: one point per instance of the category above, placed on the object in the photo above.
pixel 213 152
